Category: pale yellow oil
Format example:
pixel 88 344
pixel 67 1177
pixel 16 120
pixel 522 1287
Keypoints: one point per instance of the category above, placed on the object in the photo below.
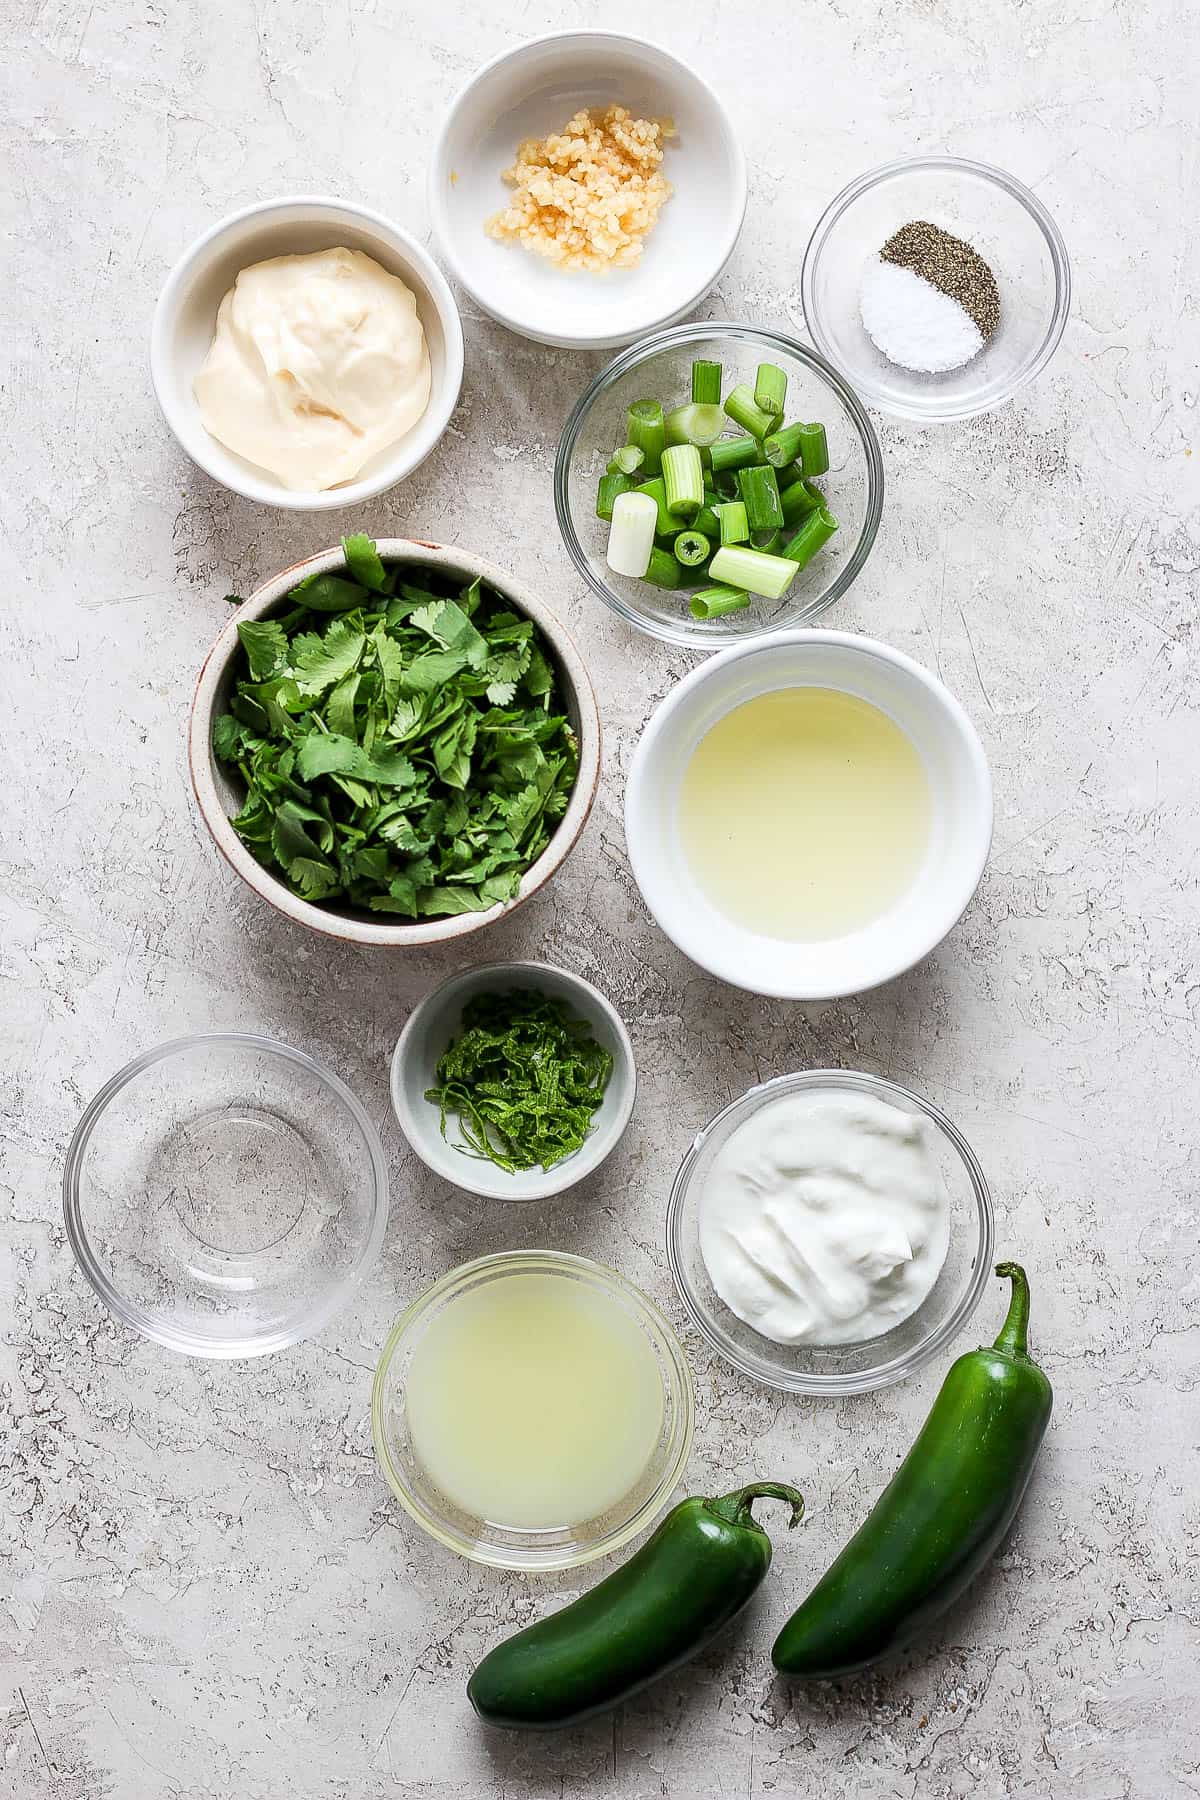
pixel 534 1402
pixel 805 814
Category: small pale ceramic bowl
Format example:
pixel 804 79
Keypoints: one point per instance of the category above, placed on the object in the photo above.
pixel 186 316
pixel 219 796
pixel 437 1019
pixel 533 90
pixel 960 825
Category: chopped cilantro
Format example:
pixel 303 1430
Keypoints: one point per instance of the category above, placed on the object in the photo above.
pixel 403 749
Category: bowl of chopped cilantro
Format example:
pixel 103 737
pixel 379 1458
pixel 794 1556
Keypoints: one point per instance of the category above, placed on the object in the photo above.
pixel 514 1080
pixel 394 743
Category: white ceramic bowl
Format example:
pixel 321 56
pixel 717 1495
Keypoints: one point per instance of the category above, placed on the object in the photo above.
pixel 186 315
pixel 534 89
pixel 219 794
pixel 436 1019
pixel 960 835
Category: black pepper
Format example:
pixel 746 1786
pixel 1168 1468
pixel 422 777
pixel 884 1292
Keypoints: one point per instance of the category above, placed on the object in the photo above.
pixel 950 265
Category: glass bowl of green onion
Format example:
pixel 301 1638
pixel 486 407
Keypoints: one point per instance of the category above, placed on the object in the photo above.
pixel 716 482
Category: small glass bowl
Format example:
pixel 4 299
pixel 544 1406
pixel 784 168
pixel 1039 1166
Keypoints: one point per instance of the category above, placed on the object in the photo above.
pixel 1011 230
pixel 659 367
pixel 225 1195
pixel 837 1369
pixel 498 1546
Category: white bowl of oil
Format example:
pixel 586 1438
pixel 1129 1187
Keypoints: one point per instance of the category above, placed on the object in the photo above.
pixel 532 1410
pixel 808 815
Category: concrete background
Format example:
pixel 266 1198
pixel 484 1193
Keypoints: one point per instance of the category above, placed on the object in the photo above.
pixel 204 1588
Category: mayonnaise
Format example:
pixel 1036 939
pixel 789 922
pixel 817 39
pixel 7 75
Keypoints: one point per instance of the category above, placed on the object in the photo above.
pixel 318 363
pixel 823 1219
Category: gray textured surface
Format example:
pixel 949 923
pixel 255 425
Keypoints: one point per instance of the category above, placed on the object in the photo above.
pixel 204 1588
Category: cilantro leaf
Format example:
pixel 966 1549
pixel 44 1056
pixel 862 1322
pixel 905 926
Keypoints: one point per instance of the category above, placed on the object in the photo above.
pixel 449 626
pixel 265 645
pixel 363 562
pixel 319 662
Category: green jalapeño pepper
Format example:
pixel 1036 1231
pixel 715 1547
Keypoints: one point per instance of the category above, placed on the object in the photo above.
pixel 941 1516
pixel 663 1606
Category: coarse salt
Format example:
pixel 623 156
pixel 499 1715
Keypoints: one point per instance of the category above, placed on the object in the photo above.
pixel 913 323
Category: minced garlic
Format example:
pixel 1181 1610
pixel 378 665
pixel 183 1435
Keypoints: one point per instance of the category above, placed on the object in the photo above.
pixel 588 196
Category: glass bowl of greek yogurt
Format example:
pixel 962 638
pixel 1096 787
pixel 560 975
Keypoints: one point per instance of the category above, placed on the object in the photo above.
pixel 829 1232
pixel 893 330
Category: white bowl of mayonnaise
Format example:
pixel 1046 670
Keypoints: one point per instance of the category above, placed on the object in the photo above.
pixel 829 1232
pixel 307 353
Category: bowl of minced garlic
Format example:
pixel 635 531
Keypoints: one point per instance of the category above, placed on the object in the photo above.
pixel 626 189
pixel 588 196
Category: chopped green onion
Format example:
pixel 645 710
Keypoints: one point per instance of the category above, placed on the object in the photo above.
pixel 691 549
pixel 656 491
pixel 783 447
pixel 606 493
pixel 695 424
pixel 627 460
pixel 646 431
pixel 735 527
pixel 735 453
pixel 814 451
pixel 769 542
pixel 631 534
pixel 683 479
pixel 760 496
pixel 799 498
pixel 707 520
pixel 816 530
pixel 706 383
pixel 711 602
pixel 662 570
pixel 770 389
pixel 740 406
pixel 736 566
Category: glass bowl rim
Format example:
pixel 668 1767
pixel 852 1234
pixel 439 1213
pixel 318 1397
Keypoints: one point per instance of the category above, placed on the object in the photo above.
pixel 694 332
pixel 898 1368
pixel 1016 190
pixel 457 1280
pixel 150 1325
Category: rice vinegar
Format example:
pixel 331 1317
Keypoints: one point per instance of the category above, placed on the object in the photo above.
pixel 804 814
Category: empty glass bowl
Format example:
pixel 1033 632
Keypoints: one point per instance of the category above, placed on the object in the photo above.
pixel 659 367
pixel 1011 230
pixel 505 1547
pixel 225 1195
pixel 836 1369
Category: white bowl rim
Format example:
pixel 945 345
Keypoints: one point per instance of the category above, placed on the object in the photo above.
pixel 190 1343
pixel 725 967
pixel 492 1183
pixel 655 320
pixel 1017 189
pixel 425 434
pixel 897 1368
pixel 423 554
pixel 695 331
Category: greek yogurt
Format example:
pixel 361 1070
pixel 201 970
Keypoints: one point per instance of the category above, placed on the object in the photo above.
pixel 823 1219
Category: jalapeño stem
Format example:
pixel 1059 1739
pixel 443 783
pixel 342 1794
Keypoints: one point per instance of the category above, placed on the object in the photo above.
pixel 738 1506
pixel 1014 1333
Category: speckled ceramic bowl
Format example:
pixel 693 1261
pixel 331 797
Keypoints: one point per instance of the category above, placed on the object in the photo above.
pixel 218 792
